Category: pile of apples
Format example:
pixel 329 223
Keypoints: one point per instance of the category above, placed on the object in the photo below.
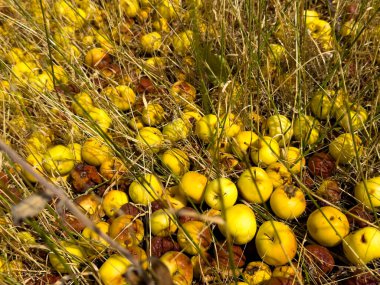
pixel 213 200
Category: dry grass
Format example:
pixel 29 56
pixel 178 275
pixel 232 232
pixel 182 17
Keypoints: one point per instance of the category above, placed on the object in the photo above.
pixel 232 71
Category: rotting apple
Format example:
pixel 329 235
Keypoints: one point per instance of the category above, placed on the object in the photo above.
pixel 368 192
pixel 193 186
pixel 254 185
pixel 97 56
pixel 345 148
pixel 145 189
pixel 288 202
pixel 221 193
pixel 114 169
pixel 127 230
pixel 183 92
pixel 194 237
pixel 256 272
pixel 362 246
pixel 265 151
pixel 279 174
pixel 176 161
pixel 328 226
pixel 276 243
pixel 180 267
pixel 240 224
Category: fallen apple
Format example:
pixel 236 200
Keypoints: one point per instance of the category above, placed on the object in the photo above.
pixel 328 226
pixel 221 193
pixel 362 246
pixel 368 192
pixel 276 243
pixel 240 224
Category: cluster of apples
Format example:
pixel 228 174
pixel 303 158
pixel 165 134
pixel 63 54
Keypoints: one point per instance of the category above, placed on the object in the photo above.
pixel 217 215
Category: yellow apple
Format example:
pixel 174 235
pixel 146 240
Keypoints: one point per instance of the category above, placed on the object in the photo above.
pixel 112 202
pixel 345 148
pixel 288 202
pixel 76 149
pixel 175 198
pixel 352 119
pixel 321 104
pixel 182 42
pixel 35 160
pixel 95 151
pixel 58 160
pixel 240 224
pixel 162 223
pixel 280 128
pixel 145 189
pixel 292 271
pixel 306 129
pixel 256 272
pixel 136 123
pixel 95 56
pixel 151 42
pixel 265 151
pixel 279 174
pixel 362 246
pixel 221 193
pixel 99 243
pixel 276 243
pixel 293 159
pixel 176 161
pixel 194 237
pixel 82 102
pixel 69 255
pixel 153 114
pixel 113 269
pixel 368 192
pixel 122 96
pixel 176 130
pixel 193 186
pixel 254 185
pixel 230 125
pixel 179 266
pixel 242 142
pixel 328 226
pixel 129 7
pixel 276 53
pixel 100 117
pixel 149 140
pixel 206 127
